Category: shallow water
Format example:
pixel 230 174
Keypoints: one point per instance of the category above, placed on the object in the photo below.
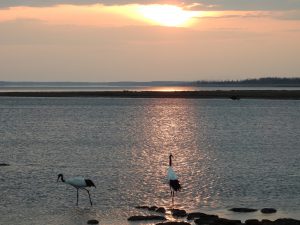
pixel 227 154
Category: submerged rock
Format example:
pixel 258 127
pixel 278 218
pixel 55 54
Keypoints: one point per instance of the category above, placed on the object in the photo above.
pixel 153 208
pixel 252 222
pixel 4 164
pixel 206 220
pixel 268 210
pixel 178 212
pixel 197 215
pixel 151 217
pixel 161 210
pixel 243 210
pixel 93 222
pixel 235 97
pixel 286 221
pixel 222 221
pixel 173 223
pixel 266 222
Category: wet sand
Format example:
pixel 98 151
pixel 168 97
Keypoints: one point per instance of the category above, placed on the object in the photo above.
pixel 233 94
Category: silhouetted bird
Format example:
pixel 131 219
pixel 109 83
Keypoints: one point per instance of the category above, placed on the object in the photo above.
pixel 78 183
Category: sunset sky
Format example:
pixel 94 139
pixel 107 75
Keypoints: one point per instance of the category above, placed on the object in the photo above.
pixel 123 40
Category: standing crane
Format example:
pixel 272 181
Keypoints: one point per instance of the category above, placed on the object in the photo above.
pixel 172 178
pixel 78 183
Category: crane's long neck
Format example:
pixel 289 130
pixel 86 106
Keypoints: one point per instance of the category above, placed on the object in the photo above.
pixel 170 160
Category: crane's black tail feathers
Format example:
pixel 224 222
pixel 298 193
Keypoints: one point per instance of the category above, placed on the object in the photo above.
pixel 89 183
pixel 175 185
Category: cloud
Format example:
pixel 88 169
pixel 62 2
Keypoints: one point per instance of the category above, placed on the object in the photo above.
pixel 92 15
pixel 44 51
pixel 12 3
pixel 43 3
pixel 289 15
pixel 277 15
pixel 249 5
pixel 201 4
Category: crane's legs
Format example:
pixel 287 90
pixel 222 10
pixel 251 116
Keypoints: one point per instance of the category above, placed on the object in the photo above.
pixel 172 195
pixel 77 197
pixel 89 196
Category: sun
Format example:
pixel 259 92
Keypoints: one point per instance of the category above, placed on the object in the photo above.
pixel 167 15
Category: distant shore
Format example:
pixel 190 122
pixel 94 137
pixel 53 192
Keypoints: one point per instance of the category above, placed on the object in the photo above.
pixel 218 94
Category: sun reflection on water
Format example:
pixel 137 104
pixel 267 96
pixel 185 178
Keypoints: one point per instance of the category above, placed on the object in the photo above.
pixel 172 88
pixel 172 128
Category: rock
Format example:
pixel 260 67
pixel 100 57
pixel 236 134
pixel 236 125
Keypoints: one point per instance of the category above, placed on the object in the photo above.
pixel 151 217
pixel 222 221
pixel 194 215
pixel 286 221
pixel 142 207
pixel 197 215
pixel 268 210
pixel 93 222
pixel 4 164
pixel 152 208
pixel 207 220
pixel 244 210
pixel 173 223
pixel 235 97
pixel 266 222
pixel 161 210
pixel 178 212
pixel 252 222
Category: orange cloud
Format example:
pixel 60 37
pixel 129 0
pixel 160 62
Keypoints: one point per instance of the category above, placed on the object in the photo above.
pixel 89 15
pixel 103 15
pixel 155 14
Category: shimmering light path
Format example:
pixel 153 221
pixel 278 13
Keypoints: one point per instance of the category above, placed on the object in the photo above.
pixel 227 154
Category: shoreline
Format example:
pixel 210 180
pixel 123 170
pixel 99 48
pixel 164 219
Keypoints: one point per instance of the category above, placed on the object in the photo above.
pixel 216 94
pixel 243 216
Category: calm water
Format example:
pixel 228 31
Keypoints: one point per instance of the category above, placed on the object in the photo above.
pixel 227 154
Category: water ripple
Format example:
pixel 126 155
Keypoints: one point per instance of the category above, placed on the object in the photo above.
pixel 226 154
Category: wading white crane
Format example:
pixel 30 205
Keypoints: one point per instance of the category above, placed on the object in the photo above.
pixel 172 178
pixel 78 183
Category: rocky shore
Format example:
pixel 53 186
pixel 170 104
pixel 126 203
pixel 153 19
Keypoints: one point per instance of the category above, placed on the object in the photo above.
pixel 181 217
pixel 230 94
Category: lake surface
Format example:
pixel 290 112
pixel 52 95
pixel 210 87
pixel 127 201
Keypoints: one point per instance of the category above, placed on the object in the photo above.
pixel 226 154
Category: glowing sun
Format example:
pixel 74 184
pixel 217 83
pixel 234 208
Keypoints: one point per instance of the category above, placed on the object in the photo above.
pixel 167 15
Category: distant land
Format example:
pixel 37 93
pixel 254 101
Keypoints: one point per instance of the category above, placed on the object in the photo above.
pixel 91 84
pixel 260 82
pixel 232 94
